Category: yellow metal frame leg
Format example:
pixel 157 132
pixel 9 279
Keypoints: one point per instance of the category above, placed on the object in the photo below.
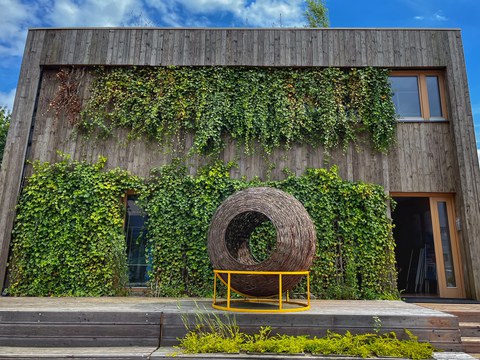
pixel 286 305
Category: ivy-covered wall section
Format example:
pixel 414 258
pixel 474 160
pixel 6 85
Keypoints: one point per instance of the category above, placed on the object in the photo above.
pixel 68 237
pixel 5 116
pixel 274 107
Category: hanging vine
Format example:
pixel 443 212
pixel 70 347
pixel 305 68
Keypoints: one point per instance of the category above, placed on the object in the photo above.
pixel 271 106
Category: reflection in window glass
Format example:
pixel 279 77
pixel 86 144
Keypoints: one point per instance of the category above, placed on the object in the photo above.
pixel 446 244
pixel 136 243
pixel 434 96
pixel 406 96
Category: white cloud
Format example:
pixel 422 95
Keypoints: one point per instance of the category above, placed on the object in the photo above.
pixel 209 6
pixel 168 13
pixel 478 153
pixel 261 13
pixel 17 17
pixel 6 99
pixel 93 12
pixel 437 16
pixel 274 13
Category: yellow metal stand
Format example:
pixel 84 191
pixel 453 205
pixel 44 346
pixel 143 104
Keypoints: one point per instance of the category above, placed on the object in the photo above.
pixel 280 301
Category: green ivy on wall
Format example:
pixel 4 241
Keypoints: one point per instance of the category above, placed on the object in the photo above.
pixel 68 237
pixel 5 116
pixel 271 106
pixel 355 251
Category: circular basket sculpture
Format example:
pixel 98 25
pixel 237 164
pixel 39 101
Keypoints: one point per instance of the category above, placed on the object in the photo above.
pixel 235 220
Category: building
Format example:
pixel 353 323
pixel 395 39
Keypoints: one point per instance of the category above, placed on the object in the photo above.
pixel 432 171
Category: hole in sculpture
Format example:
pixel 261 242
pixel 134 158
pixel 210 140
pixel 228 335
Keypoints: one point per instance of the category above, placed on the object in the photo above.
pixel 251 238
pixel 263 241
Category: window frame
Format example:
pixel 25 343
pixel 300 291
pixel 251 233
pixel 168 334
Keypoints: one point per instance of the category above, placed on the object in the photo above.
pixel 421 75
pixel 135 287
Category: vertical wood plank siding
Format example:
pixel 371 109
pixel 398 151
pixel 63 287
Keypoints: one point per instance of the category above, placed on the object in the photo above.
pixel 428 156
pixel 17 139
pixel 391 48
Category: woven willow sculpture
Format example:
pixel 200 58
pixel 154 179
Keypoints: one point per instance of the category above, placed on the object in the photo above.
pixel 235 220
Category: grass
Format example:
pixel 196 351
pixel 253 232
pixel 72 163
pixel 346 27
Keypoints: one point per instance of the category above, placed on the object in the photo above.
pixel 208 333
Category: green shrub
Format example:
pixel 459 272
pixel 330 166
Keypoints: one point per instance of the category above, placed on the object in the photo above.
pixel 355 247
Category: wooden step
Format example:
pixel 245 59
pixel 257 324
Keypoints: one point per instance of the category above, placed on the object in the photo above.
pixel 111 353
pixel 104 353
pixel 357 317
pixel 64 322
pixel 471 345
pixel 466 316
pixel 469 329
pixel 79 328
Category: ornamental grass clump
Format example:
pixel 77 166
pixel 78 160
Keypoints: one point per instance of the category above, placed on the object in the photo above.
pixel 361 345
pixel 208 333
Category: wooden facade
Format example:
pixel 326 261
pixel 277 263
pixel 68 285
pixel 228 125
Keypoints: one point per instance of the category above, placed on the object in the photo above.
pixel 428 157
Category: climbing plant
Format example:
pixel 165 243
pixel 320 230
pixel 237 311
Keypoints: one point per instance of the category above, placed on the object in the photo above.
pixel 67 95
pixel 273 107
pixel 68 237
pixel 5 116
pixel 355 249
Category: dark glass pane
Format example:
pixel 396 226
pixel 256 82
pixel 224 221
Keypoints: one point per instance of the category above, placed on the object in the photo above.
pixel 446 244
pixel 405 95
pixel 136 243
pixel 434 96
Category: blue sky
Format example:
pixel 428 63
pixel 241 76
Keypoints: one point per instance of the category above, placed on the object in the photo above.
pixel 19 15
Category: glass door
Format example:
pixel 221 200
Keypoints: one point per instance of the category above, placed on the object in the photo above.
pixel 449 270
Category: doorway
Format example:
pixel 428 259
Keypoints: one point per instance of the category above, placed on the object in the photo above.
pixel 427 252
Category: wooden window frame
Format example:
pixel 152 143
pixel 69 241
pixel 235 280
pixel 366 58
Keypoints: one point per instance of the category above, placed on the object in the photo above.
pixel 423 94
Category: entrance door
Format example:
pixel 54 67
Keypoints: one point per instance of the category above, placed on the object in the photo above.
pixel 449 272
pixel 427 249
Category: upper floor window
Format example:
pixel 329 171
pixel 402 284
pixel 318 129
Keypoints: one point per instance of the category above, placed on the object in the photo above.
pixel 419 95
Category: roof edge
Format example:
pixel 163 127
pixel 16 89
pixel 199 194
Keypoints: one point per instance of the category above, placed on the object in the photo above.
pixel 227 28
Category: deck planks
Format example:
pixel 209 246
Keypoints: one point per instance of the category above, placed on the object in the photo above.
pixel 157 322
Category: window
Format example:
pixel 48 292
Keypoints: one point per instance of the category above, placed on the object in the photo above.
pixel 136 241
pixel 418 95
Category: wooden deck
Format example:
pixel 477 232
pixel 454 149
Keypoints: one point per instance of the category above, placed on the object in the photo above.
pixel 79 322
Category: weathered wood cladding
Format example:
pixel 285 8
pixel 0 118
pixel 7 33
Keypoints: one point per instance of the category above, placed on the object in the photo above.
pixel 16 145
pixel 422 152
pixel 393 48
pixel 428 157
